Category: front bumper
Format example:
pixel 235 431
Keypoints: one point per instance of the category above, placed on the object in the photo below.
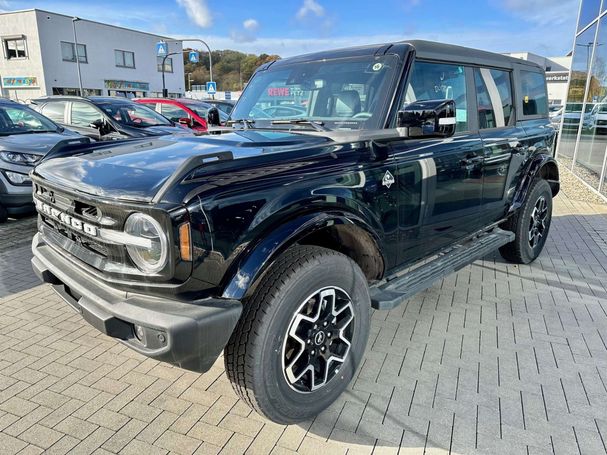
pixel 17 199
pixel 190 335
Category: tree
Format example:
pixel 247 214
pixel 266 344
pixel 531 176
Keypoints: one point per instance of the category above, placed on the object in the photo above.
pixel 231 69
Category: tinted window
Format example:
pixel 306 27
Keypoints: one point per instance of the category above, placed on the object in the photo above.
pixel 438 81
pixel 173 112
pixel 494 97
pixel 55 111
pixel 84 114
pixel 535 98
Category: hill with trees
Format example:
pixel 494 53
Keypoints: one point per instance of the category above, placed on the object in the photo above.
pixel 231 69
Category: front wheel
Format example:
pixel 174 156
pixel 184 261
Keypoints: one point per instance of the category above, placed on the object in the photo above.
pixel 301 336
pixel 530 225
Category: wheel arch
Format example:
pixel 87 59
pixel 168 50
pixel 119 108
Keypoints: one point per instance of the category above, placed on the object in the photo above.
pixel 342 232
pixel 543 166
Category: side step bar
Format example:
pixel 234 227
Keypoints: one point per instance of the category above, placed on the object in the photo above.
pixel 391 293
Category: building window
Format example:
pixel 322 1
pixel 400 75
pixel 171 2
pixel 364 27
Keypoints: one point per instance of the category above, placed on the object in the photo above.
pixel 124 59
pixel 68 54
pixel 168 64
pixel 14 48
pixel 75 91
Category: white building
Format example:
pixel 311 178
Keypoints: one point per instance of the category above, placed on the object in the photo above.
pixel 38 58
pixel 557 73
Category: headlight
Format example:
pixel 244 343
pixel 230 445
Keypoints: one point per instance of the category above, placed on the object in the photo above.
pixel 28 159
pixel 17 178
pixel 150 256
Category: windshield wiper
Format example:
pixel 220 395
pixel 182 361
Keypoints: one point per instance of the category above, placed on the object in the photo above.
pixel 316 124
pixel 246 122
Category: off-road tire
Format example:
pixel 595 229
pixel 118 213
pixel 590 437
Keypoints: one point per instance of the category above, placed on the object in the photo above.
pixel 520 251
pixel 254 355
pixel 3 214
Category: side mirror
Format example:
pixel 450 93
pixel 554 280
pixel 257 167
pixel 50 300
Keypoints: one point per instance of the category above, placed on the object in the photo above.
pixel 213 118
pixel 185 121
pixel 434 118
pixel 97 124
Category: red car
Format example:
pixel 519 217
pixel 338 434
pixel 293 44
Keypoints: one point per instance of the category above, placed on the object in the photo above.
pixel 192 113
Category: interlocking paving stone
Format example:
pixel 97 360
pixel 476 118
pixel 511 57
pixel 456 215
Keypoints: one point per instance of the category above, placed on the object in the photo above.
pixel 497 358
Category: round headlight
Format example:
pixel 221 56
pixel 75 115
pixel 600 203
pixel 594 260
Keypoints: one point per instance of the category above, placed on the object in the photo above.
pixel 150 255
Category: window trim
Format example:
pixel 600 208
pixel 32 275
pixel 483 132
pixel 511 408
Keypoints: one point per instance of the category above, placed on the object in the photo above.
pixel 6 39
pixel 123 52
pixel 74 47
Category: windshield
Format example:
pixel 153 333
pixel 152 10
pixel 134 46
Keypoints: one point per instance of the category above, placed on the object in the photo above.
pixel 18 119
pixel 341 94
pixel 577 107
pixel 201 109
pixel 132 114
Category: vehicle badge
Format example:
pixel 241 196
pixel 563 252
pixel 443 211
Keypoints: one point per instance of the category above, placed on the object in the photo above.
pixel 388 179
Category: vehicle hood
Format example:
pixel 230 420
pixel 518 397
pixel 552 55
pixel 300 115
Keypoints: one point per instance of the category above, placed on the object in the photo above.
pixel 135 170
pixel 36 143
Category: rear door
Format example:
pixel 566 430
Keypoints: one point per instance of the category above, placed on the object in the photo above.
pixel 439 180
pixel 501 138
pixel 56 111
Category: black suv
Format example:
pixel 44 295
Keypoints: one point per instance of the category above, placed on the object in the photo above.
pixel 401 163
pixel 106 118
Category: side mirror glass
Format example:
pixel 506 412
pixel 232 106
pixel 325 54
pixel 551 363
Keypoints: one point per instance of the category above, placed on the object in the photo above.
pixel 434 118
pixel 213 117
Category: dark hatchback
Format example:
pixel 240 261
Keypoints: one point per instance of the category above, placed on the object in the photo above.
pixel 107 118
pixel 26 137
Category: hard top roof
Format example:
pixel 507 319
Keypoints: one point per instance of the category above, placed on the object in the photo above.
pixel 429 50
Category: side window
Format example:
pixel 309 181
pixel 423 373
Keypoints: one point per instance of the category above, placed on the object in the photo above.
pixel 173 112
pixel 494 97
pixel 55 111
pixel 437 81
pixel 84 114
pixel 535 98
pixel 150 105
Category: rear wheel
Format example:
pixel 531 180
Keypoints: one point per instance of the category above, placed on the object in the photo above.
pixel 301 336
pixel 531 225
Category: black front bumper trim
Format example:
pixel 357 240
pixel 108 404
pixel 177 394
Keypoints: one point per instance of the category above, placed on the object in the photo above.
pixel 190 335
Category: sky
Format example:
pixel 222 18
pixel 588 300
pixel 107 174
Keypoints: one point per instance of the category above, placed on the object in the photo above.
pixel 293 27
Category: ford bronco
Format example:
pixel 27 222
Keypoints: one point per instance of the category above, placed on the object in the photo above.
pixel 348 180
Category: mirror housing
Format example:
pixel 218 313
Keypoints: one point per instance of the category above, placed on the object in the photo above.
pixel 213 118
pixel 433 118
pixel 185 121
pixel 97 124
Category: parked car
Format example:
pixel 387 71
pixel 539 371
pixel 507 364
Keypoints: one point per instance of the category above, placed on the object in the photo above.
pixel 224 106
pixel 272 241
pixel 573 116
pixel 26 137
pixel 191 113
pixel 106 118
pixel 598 118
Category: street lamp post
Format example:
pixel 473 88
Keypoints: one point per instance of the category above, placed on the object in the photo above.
pixel 164 59
pixel 74 20
pixel 199 41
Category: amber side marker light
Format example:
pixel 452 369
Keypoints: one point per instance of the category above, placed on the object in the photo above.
pixel 185 243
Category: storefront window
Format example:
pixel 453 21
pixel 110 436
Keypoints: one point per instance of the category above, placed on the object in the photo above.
pixel 575 110
pixel 590 153
pixel 589 12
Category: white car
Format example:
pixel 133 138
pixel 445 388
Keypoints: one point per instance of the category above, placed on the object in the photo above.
pixel 599 118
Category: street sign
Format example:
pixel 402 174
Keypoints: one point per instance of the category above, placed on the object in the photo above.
pixel 193 56
pixel 162 48
pixel 211 88
pixel 228 95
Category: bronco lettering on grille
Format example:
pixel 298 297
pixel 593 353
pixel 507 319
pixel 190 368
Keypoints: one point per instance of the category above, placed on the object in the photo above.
pixel 66 219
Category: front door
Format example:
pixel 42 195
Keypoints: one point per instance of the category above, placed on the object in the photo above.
pixel 439 180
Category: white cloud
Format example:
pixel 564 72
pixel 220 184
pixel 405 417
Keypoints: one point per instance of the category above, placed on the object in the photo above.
pixel 198 11
pixel 543 12
pixel 250 24
pixel 310 7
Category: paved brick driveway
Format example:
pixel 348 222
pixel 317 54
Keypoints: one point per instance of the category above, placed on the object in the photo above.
pixel 495 359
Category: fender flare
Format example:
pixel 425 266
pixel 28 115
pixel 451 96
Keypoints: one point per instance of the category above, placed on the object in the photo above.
pixel 258 257
pixel 532 170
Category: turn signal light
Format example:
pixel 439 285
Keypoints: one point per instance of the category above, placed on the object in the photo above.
pixel 185 243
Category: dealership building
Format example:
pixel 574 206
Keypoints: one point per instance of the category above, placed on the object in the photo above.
pixel 39 58
pixel 582 143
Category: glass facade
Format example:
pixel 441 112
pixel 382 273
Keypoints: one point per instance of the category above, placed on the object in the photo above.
pixel 583 136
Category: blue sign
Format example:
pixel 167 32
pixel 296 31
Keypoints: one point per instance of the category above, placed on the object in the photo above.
pixel 193 56
pixel 211 88
pixel 162 48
